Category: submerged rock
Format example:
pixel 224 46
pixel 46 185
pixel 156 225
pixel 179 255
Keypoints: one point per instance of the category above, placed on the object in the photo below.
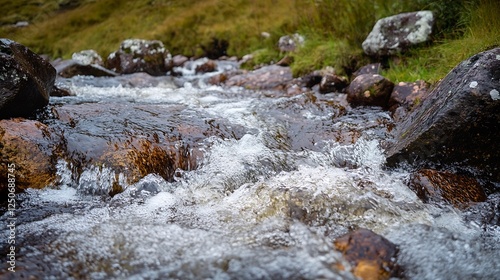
pixel 458 123
pixel 394 34
pixel 26 80
pixel 435 186
pixel 369 90
pixel 371 255
pixel 88 57
pixel 135 55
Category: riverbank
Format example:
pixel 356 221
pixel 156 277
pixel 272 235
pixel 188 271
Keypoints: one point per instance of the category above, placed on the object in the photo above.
pixel 334 30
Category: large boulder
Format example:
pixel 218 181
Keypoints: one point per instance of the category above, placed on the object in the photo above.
pixel 136 55
pixel 394 34
pixel 369 90
pixel 26 80
pixel 458 123
pixel 267 77
pixel 434 186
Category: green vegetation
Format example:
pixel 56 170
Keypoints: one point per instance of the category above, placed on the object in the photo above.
pixel 334 30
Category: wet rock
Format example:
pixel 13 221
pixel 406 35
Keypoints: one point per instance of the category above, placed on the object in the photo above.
pixel 179 60
pixel 26 80
pixel 369 90
pixel 458 123
pixel 374 68
pixel 134 139
pixel 435 186
pixel 33 148
pixel 218 79
pixel 60 92
pixel 408 95
pixel 135 55
pixel 88 57
pixel 290 43
pixel 371 255
pixel 209 66
pixel 71 68
pixel 485 213
pixel 394 34
pixel 332 83
pixel 267 77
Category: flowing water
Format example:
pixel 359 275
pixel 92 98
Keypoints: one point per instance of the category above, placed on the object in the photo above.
pixel 266 204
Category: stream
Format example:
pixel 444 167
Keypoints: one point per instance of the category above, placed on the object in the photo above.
pixel 265 203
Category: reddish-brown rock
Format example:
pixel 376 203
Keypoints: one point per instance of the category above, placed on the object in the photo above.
pixel 435 186
pixel 33 148
pixel 371 255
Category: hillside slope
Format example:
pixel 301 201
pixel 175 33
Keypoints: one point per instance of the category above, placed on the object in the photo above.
pixel 334 30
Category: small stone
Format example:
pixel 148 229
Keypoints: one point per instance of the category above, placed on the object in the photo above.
pixel 435 186
pixel 371 255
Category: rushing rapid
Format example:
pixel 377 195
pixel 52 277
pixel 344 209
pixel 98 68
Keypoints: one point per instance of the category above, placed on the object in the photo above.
pixel 266 204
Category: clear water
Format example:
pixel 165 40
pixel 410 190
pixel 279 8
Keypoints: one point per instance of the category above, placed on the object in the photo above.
pixel 265 206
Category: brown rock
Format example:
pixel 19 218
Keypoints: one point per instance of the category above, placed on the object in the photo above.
pixel 369 90
pixel 435 186
pixel 33 148
pixel 458 124
pixel 332 83
pixel 209 66
pixel 179 60
pixel 371 255
pixel 408 95
pixel 134 140
pixel 285 61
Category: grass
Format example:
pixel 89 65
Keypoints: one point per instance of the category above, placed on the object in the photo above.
pixel 334 30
